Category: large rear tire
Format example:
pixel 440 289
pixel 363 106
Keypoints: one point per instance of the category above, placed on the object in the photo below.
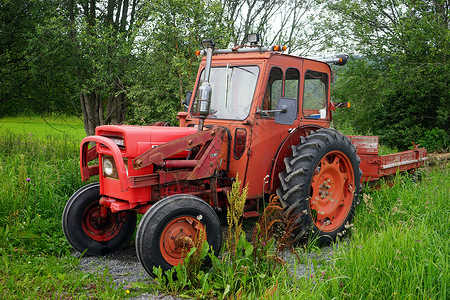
pixel 320 185
pixel 87 231
pixel 171 224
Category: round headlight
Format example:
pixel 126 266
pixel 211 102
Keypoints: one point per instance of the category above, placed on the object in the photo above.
pixel 108 167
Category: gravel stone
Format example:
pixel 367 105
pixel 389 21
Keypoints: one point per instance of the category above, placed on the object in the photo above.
pixel 124 267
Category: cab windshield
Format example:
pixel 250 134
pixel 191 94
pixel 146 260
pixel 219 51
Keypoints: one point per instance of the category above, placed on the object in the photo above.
pixel 232 91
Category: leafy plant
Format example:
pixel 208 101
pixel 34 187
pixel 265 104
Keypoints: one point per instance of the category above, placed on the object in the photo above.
pixel 397 79
pixel 435 139
pixel 235 209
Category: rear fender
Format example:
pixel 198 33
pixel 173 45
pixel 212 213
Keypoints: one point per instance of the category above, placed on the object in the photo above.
pixel 285 150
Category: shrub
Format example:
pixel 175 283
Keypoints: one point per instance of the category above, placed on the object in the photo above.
pixel 435 139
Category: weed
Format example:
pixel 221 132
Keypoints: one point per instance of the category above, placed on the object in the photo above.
pixel 236 201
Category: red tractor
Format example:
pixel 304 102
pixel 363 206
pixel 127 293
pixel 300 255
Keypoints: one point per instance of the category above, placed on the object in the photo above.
pixel 255 112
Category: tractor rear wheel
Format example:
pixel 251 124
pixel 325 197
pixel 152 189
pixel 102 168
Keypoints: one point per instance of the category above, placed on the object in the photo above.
pixel 170 227
pixel 320 185
pixel 86 230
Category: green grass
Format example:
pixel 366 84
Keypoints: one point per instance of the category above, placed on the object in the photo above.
pixel 38 174
pixel 42 126
pixel 399 246
pixel 41 276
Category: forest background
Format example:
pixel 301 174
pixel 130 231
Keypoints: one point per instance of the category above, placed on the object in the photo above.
pixel 132 61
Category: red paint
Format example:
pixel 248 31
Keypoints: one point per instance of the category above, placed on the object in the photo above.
pixel 374 166
pixel 101 228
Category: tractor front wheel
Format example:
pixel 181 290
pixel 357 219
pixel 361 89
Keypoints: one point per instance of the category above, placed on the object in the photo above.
pixel 320 185
pixel 85 228
pixel 171 227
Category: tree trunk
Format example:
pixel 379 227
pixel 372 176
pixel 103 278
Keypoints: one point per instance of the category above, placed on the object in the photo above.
pixel 88 117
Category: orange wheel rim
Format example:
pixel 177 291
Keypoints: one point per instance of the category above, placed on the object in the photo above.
pixel 178 237
pixel 332 191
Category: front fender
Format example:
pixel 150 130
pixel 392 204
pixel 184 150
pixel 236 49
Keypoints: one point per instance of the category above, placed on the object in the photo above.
pixel 85 157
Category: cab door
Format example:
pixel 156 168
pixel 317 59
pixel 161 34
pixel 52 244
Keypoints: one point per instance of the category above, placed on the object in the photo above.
pixel 265 135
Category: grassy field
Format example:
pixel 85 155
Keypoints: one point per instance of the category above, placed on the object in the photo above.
pixel 42 126
pixel 398 247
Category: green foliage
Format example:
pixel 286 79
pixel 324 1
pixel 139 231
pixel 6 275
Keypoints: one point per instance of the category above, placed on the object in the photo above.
pixel 166 56
pixel 236 202
pixel 187 278
pixel 398 247
pixel 40 276
pixel 35 186
pixel 38 174
pixel 435 139
pixel 34 59
pixel 397 81
pixel 243 271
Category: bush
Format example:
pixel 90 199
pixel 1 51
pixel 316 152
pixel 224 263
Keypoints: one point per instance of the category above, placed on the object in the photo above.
pixel 435 139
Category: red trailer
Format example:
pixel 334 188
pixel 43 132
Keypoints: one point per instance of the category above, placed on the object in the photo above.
pixel 375 166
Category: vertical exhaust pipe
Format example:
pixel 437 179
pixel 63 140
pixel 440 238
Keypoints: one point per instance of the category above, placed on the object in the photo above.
pixel 204 91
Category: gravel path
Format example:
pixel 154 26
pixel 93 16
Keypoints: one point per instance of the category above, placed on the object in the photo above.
pixel 125 269
pixel 123 266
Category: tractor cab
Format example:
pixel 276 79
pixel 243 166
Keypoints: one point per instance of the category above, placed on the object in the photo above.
pixel 260 95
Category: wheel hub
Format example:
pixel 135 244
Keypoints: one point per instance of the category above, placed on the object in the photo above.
pixel 98 228
pixel 331 191
pixel 178 238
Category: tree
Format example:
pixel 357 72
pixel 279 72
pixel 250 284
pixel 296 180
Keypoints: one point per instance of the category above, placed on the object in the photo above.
pixel 32 76
pixel 398 78
pixel 167 61
pixel 167 64
pixel 296 24
pixel 103 35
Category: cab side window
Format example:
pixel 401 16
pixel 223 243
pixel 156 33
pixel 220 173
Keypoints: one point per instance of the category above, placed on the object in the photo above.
pixel 274 89
pixel 315 95
pixel 292 83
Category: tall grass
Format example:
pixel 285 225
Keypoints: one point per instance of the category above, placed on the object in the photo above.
pixel 37 177
pixel 398 249
pixel 399 245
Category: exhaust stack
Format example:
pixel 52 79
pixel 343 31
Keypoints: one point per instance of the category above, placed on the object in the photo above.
pixel 204 91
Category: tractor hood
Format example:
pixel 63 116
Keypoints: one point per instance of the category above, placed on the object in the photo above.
pixel 135 140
